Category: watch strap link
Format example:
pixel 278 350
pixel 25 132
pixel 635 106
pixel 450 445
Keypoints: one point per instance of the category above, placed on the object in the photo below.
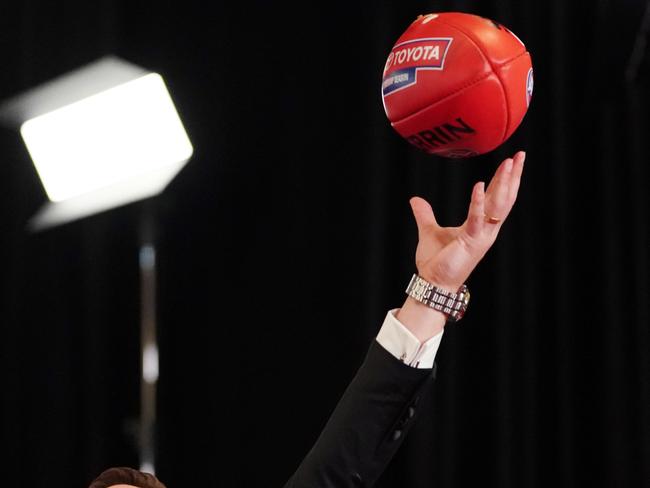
pixel 452 304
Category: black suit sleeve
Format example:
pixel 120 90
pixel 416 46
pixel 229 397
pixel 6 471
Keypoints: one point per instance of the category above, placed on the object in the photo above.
pixel 367 426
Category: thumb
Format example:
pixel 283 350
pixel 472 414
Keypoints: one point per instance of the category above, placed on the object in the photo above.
pixel 423 214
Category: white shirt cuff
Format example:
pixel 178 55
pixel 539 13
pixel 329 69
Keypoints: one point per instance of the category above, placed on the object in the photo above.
pixel 401 343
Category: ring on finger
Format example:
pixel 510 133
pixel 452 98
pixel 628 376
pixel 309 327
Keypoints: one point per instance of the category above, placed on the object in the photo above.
pixel 491 220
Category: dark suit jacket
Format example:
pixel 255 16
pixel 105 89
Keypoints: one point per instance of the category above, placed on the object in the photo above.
pixel 367 426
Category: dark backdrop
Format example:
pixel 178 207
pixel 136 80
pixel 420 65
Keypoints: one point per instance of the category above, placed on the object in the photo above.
pixel 288 236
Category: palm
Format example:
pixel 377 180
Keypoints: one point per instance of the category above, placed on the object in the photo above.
pixel 440 252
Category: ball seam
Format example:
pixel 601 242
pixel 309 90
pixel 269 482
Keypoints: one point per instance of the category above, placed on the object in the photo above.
pixel 456 91
pixel 489 61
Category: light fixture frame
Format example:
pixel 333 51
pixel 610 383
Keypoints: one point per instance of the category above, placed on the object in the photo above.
pixel 70 90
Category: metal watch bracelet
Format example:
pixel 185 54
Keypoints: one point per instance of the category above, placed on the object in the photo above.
pixel 453 305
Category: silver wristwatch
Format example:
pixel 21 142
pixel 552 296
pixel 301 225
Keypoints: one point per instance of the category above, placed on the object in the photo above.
pixel 451 304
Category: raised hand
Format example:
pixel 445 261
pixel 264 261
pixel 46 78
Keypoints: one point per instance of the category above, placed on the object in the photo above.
pixel 446 256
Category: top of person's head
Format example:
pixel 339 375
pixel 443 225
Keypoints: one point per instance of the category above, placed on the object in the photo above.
pixel 126 477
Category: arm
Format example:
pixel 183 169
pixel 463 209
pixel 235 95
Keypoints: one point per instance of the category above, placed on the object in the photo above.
pixel 380 404
pixel 367 426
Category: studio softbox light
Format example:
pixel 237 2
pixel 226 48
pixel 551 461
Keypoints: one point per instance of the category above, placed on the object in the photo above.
pixel 100 137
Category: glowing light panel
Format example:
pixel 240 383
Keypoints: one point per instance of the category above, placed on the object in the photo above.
pixel 121 138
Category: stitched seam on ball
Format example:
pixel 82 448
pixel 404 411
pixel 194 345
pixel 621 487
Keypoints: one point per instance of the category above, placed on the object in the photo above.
pixel 503 90
pixel 501 65
pixel 448 95
pixel 498 75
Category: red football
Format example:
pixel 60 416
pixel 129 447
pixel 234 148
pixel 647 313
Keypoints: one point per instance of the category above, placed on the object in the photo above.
pixel 457 84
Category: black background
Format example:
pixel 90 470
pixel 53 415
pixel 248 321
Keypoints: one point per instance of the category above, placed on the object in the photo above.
pixel 288 236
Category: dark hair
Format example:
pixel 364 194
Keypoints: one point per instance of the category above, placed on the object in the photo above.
pixel 126 476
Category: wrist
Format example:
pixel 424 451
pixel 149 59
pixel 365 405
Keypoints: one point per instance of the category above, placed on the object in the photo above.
pixel 445 284
pixel 422 321
pixel 452 304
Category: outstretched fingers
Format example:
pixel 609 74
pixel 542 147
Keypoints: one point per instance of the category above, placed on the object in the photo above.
pixel 423 213
pixel 496 206
pixel 502 191
pixel 515 179
pixel 476 213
